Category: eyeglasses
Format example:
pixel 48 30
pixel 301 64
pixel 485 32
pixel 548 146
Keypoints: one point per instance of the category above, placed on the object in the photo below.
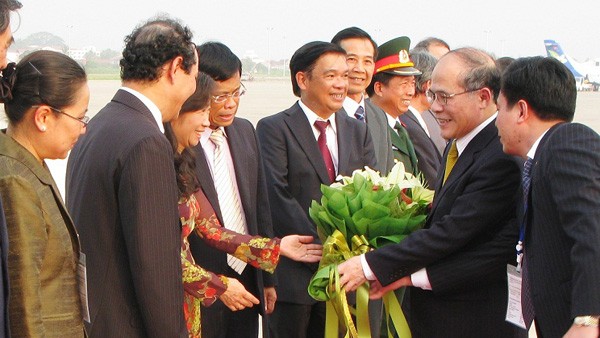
pixel 443 98
pixel 224 97
pixel 85 119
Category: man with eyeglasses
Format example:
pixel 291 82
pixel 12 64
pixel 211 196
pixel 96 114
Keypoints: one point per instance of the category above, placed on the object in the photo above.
pixel 6 8
pixel 305 146
pixel 457 263
pixel 242 178
pixel 392 89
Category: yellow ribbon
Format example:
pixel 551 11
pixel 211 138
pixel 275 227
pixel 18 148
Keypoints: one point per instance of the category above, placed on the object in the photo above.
pixel 325 286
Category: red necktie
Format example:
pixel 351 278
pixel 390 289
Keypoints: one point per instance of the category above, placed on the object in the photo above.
pixel 322 127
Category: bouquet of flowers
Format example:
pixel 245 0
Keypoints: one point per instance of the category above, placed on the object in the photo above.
pixel 360 213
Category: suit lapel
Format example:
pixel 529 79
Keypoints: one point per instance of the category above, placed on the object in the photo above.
pixel 302 131
pixel 397 142
pixel 465 160
pixel 343 134
pixel 240 157
pixel 206 182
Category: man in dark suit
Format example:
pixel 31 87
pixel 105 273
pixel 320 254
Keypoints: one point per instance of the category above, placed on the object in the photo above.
pixel 305 146
pixel 245 173
pixel 429 158
pixel 122 192
pixel 362 51
pixel 6 39
pixel 392 89
pixel 457 262
pixel 561 224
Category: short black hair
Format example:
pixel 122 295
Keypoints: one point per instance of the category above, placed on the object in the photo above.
pixel 7 6
pixel 382 77
pixel 305 59
pixel 354 33
pixel 218 61
pixel 544 83
pixel 503 62
pixel 154 43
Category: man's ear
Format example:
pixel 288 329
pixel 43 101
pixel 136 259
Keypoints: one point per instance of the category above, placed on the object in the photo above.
pixel 173 68
pixel 302 79
pixel 524 111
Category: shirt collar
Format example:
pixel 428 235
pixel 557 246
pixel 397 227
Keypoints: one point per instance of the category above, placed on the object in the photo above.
pixel 350 106
pixel 391 121
pixel 205 137
pixel 463 142
pixel 312 117
pixel 150 105
pixel 533 150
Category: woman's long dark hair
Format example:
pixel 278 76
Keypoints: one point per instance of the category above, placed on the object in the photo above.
pixel 185 163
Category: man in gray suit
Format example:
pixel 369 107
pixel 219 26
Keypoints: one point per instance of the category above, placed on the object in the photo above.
pixel 122 192
pixel 560 228
pixel 305 146
pixel 362 52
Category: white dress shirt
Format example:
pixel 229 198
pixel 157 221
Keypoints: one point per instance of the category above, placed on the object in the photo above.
pixel 209 153
pixel 350 106
pixel 330 133
pixel 150 105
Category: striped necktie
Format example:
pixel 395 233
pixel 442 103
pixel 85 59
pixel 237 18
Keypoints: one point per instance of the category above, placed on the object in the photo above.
pixel 360 114
pixel 526 301
pixel 229 201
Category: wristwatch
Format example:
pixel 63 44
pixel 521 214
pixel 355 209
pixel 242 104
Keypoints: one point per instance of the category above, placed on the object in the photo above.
pixel 586 321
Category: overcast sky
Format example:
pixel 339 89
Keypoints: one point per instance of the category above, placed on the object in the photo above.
pixel 505 28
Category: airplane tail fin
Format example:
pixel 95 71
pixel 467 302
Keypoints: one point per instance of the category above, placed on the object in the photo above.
pixel 553 50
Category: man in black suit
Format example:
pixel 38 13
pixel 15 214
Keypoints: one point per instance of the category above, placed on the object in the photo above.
pixel 429 158
pixel 561 224
pixel 362 51
pixel 305 146
pixel 245 172
pixel 457 262
pixel 122 192
pixel 6 39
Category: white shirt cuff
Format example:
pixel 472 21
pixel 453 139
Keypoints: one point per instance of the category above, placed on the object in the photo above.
pixel 420 279
pixel 366 269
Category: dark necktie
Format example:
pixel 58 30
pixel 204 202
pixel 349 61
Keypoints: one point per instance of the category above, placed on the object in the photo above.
pixel 360 113
pixel 450 160
pixel 526 302
pixel 409 146
pixel 322 127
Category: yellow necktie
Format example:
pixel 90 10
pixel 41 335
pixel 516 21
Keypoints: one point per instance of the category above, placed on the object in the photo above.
pixel 450 160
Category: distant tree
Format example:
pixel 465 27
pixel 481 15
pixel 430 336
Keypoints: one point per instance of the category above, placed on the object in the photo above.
pixel 42 39
pixel 248 65
pixel 109 54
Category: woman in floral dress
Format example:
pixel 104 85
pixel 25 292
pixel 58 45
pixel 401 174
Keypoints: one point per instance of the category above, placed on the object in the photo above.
pixel 203 287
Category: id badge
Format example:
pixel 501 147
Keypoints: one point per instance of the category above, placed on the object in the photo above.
pixel 514 312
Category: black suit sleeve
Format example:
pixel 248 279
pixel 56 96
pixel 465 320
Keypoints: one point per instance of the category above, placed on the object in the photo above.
pixel 265 225
pixel 287 212
pixel 472 216
pixel 573 170
pixel 148 211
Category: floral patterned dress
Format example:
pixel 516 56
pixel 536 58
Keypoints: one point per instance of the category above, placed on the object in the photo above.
pixel 202 286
